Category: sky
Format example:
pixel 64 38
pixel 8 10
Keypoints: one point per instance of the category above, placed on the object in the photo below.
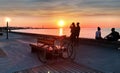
pixel 47 13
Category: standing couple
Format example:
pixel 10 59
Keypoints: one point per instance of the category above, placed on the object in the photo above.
pixel 75 31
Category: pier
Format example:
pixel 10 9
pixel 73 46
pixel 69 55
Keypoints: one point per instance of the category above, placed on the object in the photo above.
pixel 16 57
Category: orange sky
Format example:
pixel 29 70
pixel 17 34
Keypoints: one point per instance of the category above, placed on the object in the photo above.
pixel 85 21
pixel 47 13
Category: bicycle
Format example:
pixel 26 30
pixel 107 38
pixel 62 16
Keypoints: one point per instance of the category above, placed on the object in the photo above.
pixel 66 47
pixel 55 47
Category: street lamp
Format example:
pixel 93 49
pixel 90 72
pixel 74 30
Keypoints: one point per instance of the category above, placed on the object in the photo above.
pixel 7 20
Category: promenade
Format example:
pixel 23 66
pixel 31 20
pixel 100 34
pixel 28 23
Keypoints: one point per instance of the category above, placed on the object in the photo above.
pixel 16 57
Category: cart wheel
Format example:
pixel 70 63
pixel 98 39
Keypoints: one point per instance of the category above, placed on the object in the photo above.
pixel 42 56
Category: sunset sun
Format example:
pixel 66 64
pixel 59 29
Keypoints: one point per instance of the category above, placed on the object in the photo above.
pixel 61 23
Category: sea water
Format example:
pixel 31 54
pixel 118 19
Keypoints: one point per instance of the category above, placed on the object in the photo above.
pixel 84 32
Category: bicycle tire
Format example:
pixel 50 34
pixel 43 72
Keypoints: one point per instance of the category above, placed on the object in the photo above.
pixel 42 56
pixel 67 50
pixel 70 50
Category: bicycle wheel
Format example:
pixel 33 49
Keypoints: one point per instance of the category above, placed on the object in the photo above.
pixel 42 55
pixel 70 50
pixel 67 50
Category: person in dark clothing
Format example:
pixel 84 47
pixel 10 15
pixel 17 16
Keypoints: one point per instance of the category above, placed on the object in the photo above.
pixel 72 35
pixel 113 36
pixel 77 30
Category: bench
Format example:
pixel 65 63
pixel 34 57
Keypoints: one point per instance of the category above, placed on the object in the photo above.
pixel 42 43
pixel 45 41
pixel 41 49
pixel 45 47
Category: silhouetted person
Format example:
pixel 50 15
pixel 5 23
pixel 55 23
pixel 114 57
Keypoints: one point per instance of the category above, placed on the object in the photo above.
pixel 72 35
pixel 77 30
pixel 113 36
pixel 98 34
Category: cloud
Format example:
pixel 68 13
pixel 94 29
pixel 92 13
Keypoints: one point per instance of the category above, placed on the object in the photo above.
pixel 102 3
pixel 43 0
pixel 59 7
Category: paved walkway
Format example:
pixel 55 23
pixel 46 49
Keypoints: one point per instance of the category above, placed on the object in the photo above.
pixel 60 67
pixel 19 57
pixel 101 58
pixel 18 52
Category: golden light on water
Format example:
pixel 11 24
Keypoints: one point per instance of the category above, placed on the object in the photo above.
pixel 61 23
pixel 7 19
pixel 60 31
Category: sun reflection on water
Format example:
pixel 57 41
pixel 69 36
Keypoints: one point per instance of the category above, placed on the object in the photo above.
pixel 60 31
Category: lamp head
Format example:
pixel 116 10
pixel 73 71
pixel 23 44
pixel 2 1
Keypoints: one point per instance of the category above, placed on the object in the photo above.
pixel 7 19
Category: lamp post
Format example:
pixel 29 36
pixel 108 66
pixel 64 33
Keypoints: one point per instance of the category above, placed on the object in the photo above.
pixel 7 20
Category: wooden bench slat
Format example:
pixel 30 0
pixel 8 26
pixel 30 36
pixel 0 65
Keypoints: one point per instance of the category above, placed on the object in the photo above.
pixel 47 41
pixel 36 48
